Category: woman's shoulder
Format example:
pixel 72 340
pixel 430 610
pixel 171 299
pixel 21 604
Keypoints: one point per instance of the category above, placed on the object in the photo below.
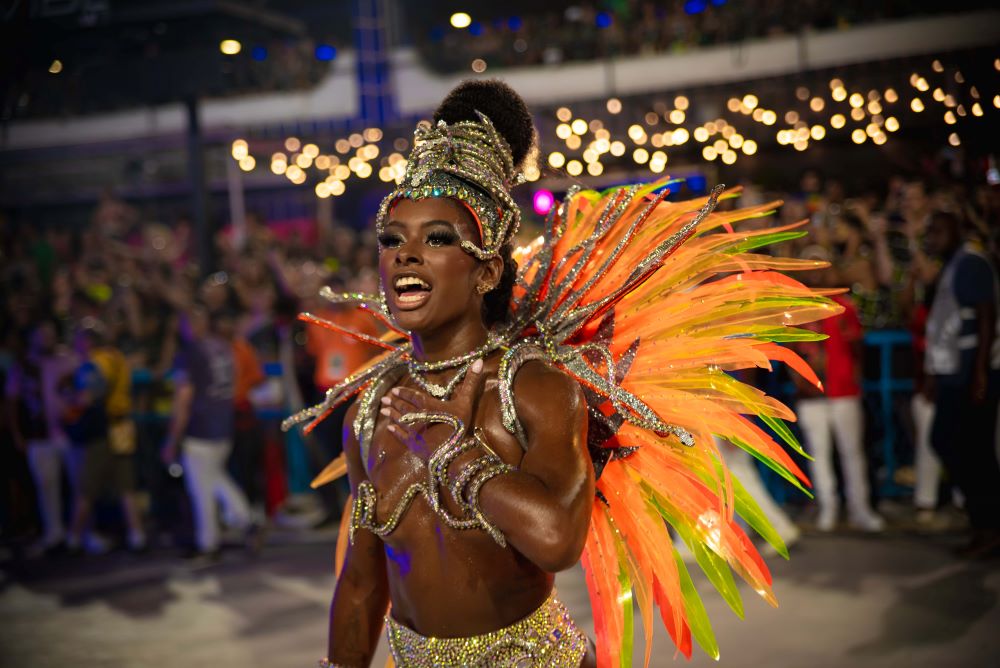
pixel 539 383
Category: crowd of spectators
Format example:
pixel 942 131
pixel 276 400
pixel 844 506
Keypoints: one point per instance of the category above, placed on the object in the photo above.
pixel 920 262
pixel 589 31
pixel 116 323
pixel 120 355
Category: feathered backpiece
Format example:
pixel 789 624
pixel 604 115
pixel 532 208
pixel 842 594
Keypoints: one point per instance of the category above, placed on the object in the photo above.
pixel 651 305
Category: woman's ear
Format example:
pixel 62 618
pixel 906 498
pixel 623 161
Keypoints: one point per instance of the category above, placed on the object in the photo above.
pixel 498 267
pixel 491 271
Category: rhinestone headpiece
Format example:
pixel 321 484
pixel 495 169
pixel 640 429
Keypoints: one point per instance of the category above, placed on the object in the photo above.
pixel 471 162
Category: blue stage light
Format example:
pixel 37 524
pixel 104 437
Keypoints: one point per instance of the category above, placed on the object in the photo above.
pixel 325 52
pixel 603 20
pixel 259 53
pixel 695 6
pixel 476 28
pixel 697 183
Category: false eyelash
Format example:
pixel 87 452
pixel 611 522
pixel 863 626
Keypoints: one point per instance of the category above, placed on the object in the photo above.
pixel 389 240
pixel 442 237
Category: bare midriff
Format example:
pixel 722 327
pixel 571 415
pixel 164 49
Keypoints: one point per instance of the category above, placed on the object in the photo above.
pixel 445 582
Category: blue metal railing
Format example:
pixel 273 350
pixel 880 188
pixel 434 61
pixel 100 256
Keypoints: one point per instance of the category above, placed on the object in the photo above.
pixel 885 387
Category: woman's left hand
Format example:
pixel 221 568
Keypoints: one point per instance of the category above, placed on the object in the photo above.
pixel 400 401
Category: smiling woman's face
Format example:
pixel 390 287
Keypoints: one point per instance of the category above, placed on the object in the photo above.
pixel 429 280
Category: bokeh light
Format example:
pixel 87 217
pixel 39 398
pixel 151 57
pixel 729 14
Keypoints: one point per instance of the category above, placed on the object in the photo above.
pixel 543 201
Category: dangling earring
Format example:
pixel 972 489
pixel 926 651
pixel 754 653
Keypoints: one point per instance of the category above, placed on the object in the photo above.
pixel 483 289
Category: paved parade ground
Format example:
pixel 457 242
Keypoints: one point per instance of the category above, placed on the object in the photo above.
pixel 846 600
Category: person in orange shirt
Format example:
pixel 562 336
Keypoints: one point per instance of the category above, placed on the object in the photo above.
pixel 246 461
pixel 335 356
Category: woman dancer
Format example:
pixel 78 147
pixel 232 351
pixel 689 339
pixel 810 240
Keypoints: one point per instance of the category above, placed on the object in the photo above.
pixel 513 380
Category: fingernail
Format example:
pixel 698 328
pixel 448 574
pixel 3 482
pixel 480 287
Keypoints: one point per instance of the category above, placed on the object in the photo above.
pixel 395 391
pixel 477 366
pixel 386 401
pixel 384 411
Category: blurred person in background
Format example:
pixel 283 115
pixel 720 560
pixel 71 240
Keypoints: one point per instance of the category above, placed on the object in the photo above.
pixel 915 209
pixel 836 416
pixel 863 219
pixel 913 282
pixel 216 294
pixel 853 257
pixel 257 294
pixel 926 465
pixel 34 406
pixel 97 418
pixel 335 356
pixel 247 459
pixel 963 366
pixel 202 429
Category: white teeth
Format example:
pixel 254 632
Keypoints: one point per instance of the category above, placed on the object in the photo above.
pixel 412 297
pixel 404 281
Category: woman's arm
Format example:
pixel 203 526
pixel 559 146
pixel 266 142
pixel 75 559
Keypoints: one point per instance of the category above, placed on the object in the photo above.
pixel 543 508
pixel 362 591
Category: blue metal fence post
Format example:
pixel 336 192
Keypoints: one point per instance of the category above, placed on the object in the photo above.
pixel 886 386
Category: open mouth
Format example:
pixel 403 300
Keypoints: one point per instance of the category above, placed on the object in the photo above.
pixel 411 291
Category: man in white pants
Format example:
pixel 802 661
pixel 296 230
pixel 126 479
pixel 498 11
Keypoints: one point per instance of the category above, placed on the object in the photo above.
pixel 928 468
pixel 837 413
pixel 741 464
pixel 34 409
pixel 203 423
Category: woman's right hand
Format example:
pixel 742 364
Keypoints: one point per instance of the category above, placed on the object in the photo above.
pixel 402 401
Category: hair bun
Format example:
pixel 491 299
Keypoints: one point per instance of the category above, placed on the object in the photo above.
pixel 500 103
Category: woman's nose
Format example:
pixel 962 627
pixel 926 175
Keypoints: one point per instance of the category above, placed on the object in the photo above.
pixel 409 253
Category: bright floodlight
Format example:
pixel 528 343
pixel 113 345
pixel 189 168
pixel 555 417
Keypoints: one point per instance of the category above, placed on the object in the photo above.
pixel 460 20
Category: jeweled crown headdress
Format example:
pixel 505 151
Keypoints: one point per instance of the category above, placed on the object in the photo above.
pixel 468 161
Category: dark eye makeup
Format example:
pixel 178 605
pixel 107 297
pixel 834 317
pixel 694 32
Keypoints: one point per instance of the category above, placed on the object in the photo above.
pixel 440 236
pixel 389 240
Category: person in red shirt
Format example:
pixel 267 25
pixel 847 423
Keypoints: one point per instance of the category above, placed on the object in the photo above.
pixel 836 416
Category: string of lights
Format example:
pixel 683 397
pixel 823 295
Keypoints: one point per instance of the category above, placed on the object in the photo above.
pixel 580 145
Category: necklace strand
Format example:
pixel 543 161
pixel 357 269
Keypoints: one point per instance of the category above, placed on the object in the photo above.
pixel 463 362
